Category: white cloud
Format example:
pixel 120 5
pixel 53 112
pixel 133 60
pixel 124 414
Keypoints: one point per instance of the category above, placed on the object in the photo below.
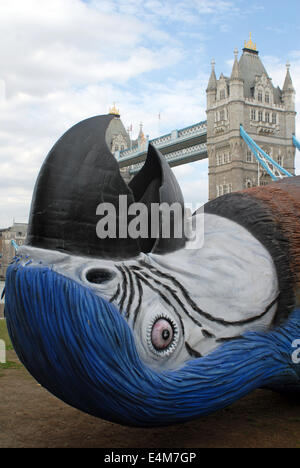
pixel 193 181
pixel 63 61
pixel 162 10
pixel 68 43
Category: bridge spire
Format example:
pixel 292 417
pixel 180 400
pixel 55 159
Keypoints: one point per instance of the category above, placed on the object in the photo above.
pixel 141 136
pixel 114 111
pixel 235 74
pixel 288 92
pixel 250 46
pixel 288 84
pixel 212 84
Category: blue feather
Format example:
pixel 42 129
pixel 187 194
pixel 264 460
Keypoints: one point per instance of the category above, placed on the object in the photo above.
pixel 81 349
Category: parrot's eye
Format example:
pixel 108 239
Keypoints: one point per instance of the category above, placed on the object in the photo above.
pixel 99 275
pixel 163 336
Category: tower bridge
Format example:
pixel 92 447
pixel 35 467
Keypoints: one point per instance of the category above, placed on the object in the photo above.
pixel 179 147
pixel 248 137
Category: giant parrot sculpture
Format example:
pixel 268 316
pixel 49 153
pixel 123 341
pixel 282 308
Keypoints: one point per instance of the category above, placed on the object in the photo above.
pixel 145 331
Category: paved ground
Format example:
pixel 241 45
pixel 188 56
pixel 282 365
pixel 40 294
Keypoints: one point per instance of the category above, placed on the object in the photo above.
pixel 32 417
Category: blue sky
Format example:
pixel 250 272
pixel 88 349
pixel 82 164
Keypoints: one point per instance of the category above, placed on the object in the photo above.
pixel 66 60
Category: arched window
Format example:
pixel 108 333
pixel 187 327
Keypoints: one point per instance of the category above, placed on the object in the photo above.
pixel 259 96
pixel 226 158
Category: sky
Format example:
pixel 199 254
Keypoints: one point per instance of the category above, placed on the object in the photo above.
pixel 62 61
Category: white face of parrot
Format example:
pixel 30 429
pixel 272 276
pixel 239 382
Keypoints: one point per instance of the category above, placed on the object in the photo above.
pixel 184 304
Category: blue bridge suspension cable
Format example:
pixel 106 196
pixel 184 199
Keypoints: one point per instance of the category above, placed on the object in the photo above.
pixel 275 170
pixel 14 244
pixel 296 142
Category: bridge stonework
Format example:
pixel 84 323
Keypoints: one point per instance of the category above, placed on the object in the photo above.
pixel 247 97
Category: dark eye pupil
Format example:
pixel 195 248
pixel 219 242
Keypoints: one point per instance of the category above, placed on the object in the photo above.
pixel 166 334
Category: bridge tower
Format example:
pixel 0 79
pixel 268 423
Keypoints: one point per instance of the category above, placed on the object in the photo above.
pixel 247 97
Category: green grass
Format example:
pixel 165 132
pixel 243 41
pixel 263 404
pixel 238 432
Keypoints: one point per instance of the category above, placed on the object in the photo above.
pixel 10 365
pixel 4 335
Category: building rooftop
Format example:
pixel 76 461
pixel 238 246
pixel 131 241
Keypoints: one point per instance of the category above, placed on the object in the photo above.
pixel 250 67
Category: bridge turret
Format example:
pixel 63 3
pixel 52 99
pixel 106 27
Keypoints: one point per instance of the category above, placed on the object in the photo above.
pixel 212 86
pixel 288 91
pixel 267 114
pixel 142 140
pixel 236 95
pixel 235 74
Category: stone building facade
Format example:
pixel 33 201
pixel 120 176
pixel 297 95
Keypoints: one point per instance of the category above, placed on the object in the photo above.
pixel 118 139
pixel 17 233
pixel 247 97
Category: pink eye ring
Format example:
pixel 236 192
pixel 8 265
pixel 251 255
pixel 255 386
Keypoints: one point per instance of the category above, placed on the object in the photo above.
pixel 162 334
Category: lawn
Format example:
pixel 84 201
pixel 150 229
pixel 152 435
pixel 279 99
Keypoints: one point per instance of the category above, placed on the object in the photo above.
pixel 8 346
pixel 4 334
